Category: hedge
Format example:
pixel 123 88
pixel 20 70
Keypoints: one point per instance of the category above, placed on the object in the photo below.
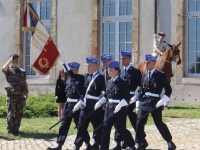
pixel 42 105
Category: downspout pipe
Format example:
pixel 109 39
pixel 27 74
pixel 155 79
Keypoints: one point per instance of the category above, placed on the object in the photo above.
pixel 155 21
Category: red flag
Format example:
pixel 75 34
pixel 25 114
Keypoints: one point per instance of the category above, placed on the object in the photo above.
pixel 44 53
pixel 47 58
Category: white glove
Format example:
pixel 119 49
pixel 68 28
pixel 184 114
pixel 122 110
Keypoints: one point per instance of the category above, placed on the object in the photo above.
pixel 78 106
pixel 137 106
pixel 134 98
pixel 99 103
pixel 62 61
pixel 164 99
pixel 120 105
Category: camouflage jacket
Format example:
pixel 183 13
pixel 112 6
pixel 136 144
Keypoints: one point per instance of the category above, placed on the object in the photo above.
pixel 16 81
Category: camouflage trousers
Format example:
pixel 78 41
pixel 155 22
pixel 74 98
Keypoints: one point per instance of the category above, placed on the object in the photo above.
pixel 15 105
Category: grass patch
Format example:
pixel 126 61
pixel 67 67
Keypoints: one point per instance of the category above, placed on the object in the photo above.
pixel 38 128
pixel 182 111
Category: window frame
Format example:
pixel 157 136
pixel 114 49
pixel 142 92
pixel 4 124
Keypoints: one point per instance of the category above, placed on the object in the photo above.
pixel 116 19
pixel 45 23
pixel 195 15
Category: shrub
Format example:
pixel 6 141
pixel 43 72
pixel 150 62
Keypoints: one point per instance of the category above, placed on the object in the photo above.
pixel 42 105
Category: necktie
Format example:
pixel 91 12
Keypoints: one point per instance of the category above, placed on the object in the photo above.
pixel 149 75
pixel 91 75
pixel 125 70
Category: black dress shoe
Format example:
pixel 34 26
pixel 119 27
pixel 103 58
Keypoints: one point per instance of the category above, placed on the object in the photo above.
pixel 95 146
pixel 76 148
pixel 171 146
pixel 138 146
pixel 132 148
pixel 117 146
pixel 88 146
pixel 144 145
pixel 123 145
pixel 55 148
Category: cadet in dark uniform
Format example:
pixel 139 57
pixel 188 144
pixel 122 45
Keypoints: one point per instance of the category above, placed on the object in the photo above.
pixel 94 91
pixel 152 84
pixel 117 91
pixel 72 98
pixel 105 59
pixel 133 77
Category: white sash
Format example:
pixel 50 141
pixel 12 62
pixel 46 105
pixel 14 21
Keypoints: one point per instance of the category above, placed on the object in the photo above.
pixel 90 85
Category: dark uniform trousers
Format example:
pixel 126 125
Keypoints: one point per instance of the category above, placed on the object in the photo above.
pixel 96 88
pixel 133 77
pixel 96 119
pixel 65 124
pixel 155 85
pixel 119 119
pixel 117 90
pixel 72 94
pixel 157 117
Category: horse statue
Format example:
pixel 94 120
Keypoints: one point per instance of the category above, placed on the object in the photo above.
pixel 164 62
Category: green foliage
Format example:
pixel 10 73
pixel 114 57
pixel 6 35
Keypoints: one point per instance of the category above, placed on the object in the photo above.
pixel 3 108
pixel 42 105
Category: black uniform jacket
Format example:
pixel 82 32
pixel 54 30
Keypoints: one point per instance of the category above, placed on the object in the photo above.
pixel 71 89
pixel 156 84
pixel 116 90
pixel 97 86
pixel 132 76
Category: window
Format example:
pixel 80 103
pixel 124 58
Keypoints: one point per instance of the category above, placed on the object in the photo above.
pixel 43 10
pixel 193 38
pixel 116 27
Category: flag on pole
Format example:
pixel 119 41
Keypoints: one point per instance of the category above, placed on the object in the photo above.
pixel 44 53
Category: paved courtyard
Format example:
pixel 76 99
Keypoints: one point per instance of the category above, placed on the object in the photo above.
pixel 185 132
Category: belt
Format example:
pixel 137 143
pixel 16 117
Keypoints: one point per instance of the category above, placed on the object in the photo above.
pixel 131 92
pixel 92 97
pixel 72 100
pixel 151 94
pixel 114 101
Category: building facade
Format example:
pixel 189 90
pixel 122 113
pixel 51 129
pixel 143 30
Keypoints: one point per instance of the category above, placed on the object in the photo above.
pixel 82 28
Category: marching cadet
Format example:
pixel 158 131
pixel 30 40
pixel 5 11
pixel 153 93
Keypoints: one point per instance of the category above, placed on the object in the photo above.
pixel 160 46
pixel 94 91
pixel 72 98
pixel 117 91
pixel 148 97
pixel 105 59
pixel 133 77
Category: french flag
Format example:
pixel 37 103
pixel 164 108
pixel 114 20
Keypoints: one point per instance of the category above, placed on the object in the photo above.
pixel 30 18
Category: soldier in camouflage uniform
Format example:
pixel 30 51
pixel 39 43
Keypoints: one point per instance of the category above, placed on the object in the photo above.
pixel 17 93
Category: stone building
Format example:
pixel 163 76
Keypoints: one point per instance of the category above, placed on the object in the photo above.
pixel 82 28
